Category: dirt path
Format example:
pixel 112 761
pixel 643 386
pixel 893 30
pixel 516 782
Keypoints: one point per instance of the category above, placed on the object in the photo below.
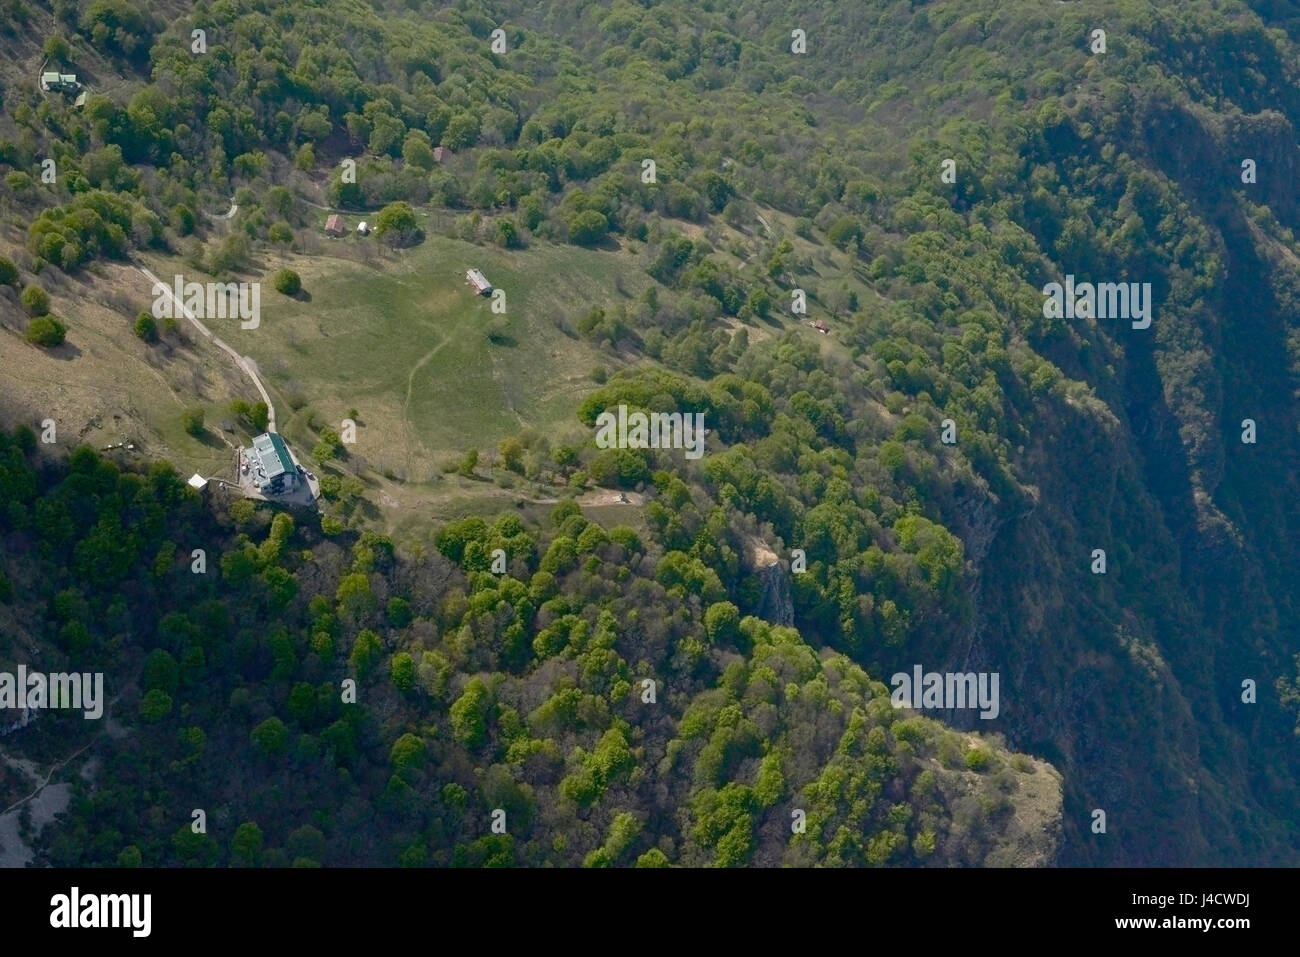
pixel 48 802
pixel 243 362
pixel 406 404
pixel 600 496
pixel 40 787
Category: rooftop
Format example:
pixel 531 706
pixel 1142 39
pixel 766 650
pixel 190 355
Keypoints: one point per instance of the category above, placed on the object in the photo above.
pixel 273 455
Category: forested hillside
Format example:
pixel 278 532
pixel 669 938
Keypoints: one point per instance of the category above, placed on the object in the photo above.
pixel 949 456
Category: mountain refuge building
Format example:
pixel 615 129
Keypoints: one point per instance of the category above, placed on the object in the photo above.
pixel 274 471
pixel 59 82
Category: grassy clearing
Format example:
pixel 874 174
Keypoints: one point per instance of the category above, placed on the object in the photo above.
pixel 399 336
pixel 104 385
pixel 425 362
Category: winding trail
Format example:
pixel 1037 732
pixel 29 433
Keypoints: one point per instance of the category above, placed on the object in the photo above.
pixel 406 405
pixel 243 362
pixel 41 787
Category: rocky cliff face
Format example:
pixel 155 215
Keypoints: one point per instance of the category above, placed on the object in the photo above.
pixel 776 605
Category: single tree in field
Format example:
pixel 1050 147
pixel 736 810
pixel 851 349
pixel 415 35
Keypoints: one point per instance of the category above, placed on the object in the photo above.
pixel 396 225
pixel 192 421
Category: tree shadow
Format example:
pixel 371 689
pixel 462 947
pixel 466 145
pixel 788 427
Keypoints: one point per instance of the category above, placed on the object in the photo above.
pixel 65 352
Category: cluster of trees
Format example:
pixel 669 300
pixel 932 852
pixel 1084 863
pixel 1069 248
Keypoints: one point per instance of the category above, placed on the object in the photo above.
pixel 384 88
pixel 589 692
pixel 946 463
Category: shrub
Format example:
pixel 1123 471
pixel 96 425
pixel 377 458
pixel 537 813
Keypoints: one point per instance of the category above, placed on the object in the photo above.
pixel 270 737
pixel 45 331
pixel 155 705
pixel 35 300
pixel 329 446
pixel 146 328
pixel 8 272
pixel 846 229
pixel 57 49
pixel 192 420
pixel 588 228
pixel 506 234
pixel 288 282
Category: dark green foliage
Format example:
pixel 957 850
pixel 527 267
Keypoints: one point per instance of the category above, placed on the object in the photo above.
pixel 146 327
pixel 93 224
pixel 269 737
pixel 46 331
pixel 35 300
pixel 483 690
pixel 588 228
pixel 255 415
pixel 506 234
pixel 287 282
pixel 846 229
pixel 192 421
pixel 396 225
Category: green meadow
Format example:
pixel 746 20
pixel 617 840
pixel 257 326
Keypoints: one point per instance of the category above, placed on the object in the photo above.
pixel 429 368
pixel 402 339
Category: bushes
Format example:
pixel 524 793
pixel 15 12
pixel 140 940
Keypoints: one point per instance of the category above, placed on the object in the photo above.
pixel 329 447
pixel 287 282
pixel 146 327
pixel 192 421
pixel 588 228
pixel 35 300
pixel 845 230
pixel 46 331
pixel 977 759
pixel 94 223
pixel 507 235
pixel 8 272
pixel 256 416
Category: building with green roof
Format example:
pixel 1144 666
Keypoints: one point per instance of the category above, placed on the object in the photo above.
pixel 274 470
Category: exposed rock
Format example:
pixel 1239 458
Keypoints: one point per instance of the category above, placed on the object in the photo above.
pixel 775 605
